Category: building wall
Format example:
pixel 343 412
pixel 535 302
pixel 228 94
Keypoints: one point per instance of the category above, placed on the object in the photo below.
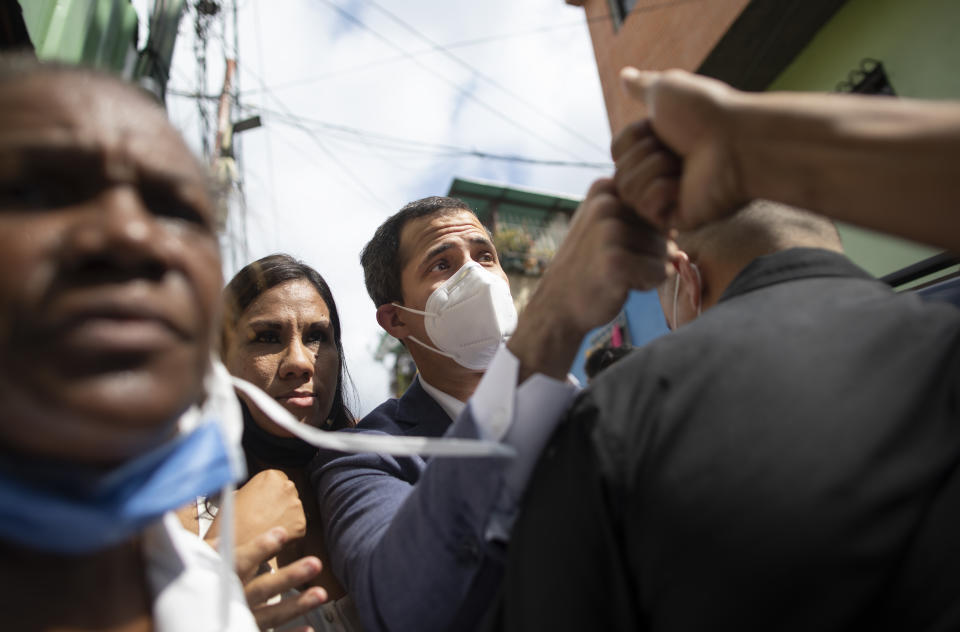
pixel 917 42
pixel 655 36
pixel 915 39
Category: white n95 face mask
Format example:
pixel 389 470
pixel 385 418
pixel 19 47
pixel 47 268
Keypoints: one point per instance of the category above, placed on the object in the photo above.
pixel 468 316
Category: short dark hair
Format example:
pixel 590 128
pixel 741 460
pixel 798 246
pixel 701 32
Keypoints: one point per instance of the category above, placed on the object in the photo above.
pixel 381 256
pixel 261 275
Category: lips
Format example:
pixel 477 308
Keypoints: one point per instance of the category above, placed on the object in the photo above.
pixel 110 320
pixel 298 399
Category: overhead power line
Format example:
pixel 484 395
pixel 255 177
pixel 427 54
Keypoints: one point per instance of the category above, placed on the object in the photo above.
pixel 392 59
pixel 345 132
pixel 460 90
pixel 491 80
pixel 397 143
pixel 354 178
pixel 477 41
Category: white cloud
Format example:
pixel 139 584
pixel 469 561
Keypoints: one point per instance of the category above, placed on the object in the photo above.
pixel 302 201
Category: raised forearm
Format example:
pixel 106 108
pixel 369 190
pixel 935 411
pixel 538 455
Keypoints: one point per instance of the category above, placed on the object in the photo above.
pixel 888 164
pixel 544 342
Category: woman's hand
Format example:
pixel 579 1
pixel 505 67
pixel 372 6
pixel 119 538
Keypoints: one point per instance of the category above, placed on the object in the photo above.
pixel 251 559
pixel 267 500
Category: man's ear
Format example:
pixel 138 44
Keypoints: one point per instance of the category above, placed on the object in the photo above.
pixel 391 319
pixel 691 290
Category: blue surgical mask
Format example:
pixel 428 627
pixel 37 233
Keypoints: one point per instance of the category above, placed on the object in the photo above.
pixel 67 509
pixel 78 510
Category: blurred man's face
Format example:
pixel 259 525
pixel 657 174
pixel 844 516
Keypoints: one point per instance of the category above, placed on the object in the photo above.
pixel 109 271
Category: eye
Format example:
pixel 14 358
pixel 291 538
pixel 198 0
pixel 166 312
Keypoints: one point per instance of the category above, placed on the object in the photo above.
pixel 35 193
pixel 317 337
pixel 165 201
pixel 439 266
pixel 267 336
pixel 486 257
pixel 173 208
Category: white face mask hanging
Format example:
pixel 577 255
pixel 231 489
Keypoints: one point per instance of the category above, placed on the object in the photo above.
pixel 468 316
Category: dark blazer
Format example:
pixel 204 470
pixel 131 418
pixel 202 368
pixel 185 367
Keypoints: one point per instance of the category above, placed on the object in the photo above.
pixel 406 535
pixel 788 461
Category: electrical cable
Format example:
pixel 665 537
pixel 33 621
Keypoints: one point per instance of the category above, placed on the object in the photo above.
pixel 414 146
pixel 478 41
pixel 491 80
pixel 268 143
pixel 397 143
pixel 323 147
pixel 460 90
pixel 392 59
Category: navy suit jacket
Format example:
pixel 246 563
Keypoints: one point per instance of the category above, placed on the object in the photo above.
pixel 406 535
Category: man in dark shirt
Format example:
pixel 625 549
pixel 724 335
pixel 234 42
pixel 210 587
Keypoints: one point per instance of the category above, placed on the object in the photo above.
pixel 788 460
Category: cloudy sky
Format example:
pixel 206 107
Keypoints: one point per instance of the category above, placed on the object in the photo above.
pixel 369 104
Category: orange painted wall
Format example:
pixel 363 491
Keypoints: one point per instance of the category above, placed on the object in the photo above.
pixel 657 35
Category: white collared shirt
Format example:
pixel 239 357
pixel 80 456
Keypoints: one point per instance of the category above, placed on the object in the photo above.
pixel 450 404
pixel 523 417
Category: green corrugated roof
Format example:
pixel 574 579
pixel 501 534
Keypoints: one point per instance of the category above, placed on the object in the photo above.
pixel 97 33
pixel 513 204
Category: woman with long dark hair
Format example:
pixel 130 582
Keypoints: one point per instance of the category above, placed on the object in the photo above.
pixel 281 332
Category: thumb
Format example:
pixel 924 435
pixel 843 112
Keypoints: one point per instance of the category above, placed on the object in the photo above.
pixel 638 83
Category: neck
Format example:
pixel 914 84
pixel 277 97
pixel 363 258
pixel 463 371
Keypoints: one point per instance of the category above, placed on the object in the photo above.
pixel 446 375
pixel 104 591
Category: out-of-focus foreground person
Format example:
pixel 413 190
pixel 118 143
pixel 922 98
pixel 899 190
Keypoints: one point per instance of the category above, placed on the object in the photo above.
pixel 109 278
pixel 282 333
pixel 789 457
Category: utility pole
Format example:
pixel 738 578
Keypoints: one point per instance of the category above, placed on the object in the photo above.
pixel 224 165
pixel 225 170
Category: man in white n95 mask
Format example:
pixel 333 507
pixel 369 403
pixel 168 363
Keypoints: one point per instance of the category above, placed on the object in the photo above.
pixel 419 543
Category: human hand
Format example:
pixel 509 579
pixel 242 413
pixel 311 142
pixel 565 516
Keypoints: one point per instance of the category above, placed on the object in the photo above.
pixel 607 252
pixel 679 167
pixel 259 588
pixel 269 499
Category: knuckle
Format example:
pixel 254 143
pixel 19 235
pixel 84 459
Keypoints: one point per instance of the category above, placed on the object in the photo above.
pixel 599 186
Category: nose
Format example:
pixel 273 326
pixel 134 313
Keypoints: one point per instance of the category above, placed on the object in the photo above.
pixel 117 234
pixel 297 361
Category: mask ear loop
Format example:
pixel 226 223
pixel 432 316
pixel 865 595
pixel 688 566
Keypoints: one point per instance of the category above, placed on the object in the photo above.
pixel 434 349
pixel 410 309
pixel 228 563
pixel 417 340
pixel 676 292
pixel 676 297
pixel 700 283
pixel 223 398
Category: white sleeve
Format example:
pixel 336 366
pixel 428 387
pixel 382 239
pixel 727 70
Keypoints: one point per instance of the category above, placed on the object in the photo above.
pixel 523 417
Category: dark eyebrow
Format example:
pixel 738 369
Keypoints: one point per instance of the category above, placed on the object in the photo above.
pixel 51 157
pixel 265 324
pixel 483 241
pixel 434 252
pixel 476 239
